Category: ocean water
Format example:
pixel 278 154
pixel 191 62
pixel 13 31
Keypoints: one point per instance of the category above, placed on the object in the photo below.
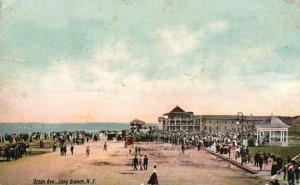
pixel 18 128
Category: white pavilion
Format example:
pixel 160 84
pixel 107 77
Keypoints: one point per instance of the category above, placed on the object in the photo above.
pixel 272 132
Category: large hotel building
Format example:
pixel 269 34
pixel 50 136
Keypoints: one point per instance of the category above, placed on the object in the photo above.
pixel 180 120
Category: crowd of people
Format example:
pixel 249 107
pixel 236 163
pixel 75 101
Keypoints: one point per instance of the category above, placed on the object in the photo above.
pixel 224 144
pixel 142 162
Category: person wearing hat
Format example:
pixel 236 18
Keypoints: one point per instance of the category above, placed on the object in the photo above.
pixel 290 174
pixel 87 151
pixel 105 146
pixel 145 162
pixel 260 161
pixel 297 169
pixel 135 163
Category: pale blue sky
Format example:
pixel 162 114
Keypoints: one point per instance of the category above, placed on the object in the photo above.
pixel 225 56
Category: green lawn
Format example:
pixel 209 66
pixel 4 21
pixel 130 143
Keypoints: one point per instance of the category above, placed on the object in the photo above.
pixel 282 151
pixel 294 130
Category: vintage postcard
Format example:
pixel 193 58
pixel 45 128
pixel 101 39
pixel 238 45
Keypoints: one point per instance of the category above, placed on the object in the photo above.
pixel 168 92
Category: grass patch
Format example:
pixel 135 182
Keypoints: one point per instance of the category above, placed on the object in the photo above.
pixel 282 151
pixel 294 130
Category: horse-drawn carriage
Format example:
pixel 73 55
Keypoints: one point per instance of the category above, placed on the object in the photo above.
pixel 128 141
pixel 14 151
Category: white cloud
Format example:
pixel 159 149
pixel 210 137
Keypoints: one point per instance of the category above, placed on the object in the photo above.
pixel 177 41
pixel 116 53
pixel 180 40
pixel 59 78
pixel 113 97
pixel 212 28
pixel 252 54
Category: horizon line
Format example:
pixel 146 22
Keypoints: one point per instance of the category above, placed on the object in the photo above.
pixel 67 123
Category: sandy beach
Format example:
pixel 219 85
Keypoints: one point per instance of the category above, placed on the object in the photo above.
pixel 114 167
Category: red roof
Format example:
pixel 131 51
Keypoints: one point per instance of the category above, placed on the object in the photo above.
pixel 177 109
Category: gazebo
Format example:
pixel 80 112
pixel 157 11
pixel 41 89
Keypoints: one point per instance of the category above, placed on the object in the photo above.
pixel 272 132
pixel 137 124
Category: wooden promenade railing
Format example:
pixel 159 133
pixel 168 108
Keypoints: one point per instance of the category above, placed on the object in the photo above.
pixel 237 164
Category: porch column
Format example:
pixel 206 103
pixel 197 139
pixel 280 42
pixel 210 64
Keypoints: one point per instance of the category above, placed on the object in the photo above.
pixel 281 136
pixel 287 136
pixel 257 136
pixel 193 124
pixel 269 137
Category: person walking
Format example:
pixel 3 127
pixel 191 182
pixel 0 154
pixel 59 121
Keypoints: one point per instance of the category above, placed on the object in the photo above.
pixel 153 178
pixel 61 150
pixel 145 162
pixel 87 151
pixel 256 157
pixel 284 170
pixel 182 148
pixel 135 163
pixel 199 146
pixel 232 151
pixel 105 147
pixel 274 167
pixel 291 175
pixel 270 161
pixel 54 147
pixel 141 163
pixel 72 149
pixel 65 150
pixel 261 161
pixel 297 170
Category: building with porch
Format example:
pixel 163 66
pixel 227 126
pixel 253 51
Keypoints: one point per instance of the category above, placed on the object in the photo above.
pixel 272 132
pixel 179 120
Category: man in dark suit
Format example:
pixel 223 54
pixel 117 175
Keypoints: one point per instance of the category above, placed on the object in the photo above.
pixel 145 162
pixel 260 161
pixel 135 163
